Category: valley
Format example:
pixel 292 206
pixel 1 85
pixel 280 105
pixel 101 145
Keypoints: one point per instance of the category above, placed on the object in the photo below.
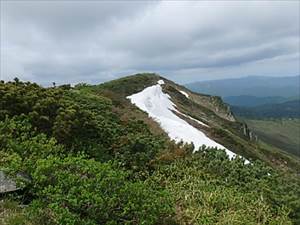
pixel 270 106
pixel 282 133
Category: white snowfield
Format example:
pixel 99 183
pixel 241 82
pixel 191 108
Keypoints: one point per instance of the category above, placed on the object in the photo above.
pixel 159 107
pixel 185 94
pixel 160 82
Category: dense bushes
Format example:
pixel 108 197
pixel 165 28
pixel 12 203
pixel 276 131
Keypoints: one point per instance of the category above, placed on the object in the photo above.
pixel 21 146
pixel 78 120
pixel 42 133
pixel 82 191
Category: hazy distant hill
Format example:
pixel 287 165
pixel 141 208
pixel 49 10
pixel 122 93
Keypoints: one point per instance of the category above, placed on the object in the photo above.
pixel 290 109
pixel 258 86
pixel 252 101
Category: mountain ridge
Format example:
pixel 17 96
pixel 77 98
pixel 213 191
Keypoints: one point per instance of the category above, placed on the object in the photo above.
pixel 205 108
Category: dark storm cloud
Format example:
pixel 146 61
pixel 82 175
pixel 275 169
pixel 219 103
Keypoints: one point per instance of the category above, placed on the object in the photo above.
pixel 94 41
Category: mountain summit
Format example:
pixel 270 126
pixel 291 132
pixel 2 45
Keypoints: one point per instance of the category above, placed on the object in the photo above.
pixel 184 115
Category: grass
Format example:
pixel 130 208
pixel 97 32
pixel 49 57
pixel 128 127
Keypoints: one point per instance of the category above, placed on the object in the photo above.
pixel 11 213
pixel 282 133
pixel 206 197
pixel 129 85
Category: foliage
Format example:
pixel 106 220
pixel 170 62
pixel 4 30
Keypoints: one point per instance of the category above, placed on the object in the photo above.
pixel 131 84
pixel 211 189
pixel 90 159
pixel 80 121
pixel 81 191
pixel 21 146
pixel 288 109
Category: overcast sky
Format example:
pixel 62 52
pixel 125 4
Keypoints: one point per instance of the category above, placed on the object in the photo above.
pixel 96 41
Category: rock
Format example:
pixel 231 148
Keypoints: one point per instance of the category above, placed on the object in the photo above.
pixel 7 184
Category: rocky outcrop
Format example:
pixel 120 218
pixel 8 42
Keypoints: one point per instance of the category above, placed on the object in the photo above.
pixel 215 104
pixel 7 184
pixel 248 133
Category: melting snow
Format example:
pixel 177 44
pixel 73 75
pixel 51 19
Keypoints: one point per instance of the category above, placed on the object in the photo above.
pixel 185 94
pixel 160 82
pixel 159 107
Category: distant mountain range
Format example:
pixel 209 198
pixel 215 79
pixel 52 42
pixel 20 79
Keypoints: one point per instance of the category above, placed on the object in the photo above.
pixel 258 86
pixel 290 109
pixel 269 105
pixel 256 96
pixel 253 101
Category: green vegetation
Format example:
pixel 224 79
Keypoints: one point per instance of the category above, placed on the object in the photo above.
pixel 210 189
pixel 289 109
pixel 282 133
pixel 89 157
pixel 252 101
pixel 84 191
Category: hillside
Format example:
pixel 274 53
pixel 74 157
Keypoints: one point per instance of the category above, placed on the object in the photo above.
pixel 252 101
pixel 258 86
pixel 289 109
pixel 275 124
pixel 210 110
pixel 282 133
pixel 112 154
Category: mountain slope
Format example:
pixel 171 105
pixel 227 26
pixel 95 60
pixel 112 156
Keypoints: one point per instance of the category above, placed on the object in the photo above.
pixel 281 133
pixel 90 156
pixel 160 108
pixel 276 124
pixel 210 110
pixel 289 109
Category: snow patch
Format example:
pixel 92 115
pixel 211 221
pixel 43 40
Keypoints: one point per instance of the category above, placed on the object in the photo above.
pixel 185 94
pixel 160 82
pixel 158 105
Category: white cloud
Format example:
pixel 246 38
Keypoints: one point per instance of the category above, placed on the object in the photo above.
pixel 95 41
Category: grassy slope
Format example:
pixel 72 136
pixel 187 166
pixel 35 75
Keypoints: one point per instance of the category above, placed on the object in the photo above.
pixel 282 133
pixel 201 107
pixel 118 90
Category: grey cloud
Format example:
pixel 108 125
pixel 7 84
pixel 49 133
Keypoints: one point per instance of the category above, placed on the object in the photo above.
pixel 68 17
pixel 94 41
